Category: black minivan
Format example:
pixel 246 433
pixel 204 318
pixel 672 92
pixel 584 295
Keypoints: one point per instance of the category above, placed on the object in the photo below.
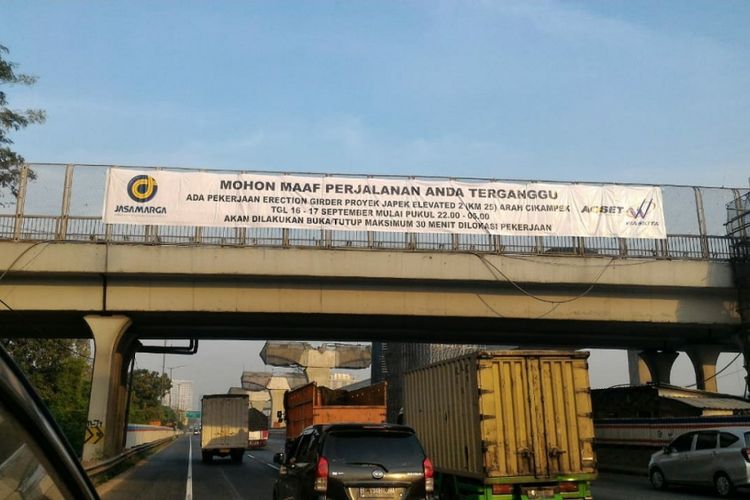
pixel 353 462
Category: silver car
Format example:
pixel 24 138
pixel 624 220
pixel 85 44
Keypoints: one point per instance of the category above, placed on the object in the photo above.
pixel 718 457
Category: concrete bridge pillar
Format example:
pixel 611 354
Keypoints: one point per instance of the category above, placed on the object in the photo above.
pixel 744 342
pixel 659 364
pixel 259 399
pixel 637 368
pixel 109 390
pixel 277 386
pixel 704 360
pixel 319 374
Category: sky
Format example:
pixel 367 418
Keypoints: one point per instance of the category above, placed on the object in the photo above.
pixel 617 91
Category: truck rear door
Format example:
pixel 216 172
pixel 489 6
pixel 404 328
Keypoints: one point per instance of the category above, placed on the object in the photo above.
pixel 536 415
pixel 565 429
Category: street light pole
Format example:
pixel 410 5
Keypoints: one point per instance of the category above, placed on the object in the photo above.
pixel 161 380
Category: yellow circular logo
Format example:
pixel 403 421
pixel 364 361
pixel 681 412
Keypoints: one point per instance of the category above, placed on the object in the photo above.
pixel 142 188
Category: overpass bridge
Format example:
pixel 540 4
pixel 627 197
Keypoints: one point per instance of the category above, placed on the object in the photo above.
pixel 67 273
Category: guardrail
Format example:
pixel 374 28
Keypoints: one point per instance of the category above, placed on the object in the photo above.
pixel 138 434
pixel 63 202
pixel 100 469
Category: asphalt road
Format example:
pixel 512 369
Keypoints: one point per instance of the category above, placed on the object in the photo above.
pixel 164 476
pixel 627 487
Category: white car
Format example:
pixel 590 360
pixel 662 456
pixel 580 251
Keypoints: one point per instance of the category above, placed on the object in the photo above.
pixel 718 457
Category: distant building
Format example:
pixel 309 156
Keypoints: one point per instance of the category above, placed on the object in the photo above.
pixel 339 380
pixel 390 360
pixel 180 397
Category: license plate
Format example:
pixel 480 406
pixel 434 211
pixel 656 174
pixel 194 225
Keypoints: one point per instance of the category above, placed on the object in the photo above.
pixel 224 450
pixel 376 492
pixel 534 493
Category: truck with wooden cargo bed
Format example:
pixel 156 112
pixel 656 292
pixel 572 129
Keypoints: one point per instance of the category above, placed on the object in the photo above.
pixel 224 426
pixel 312 404
pixel 505 425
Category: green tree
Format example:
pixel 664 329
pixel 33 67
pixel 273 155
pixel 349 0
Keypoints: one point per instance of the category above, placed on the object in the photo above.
pixel 148 389
pixel 13 120
pixel 60 371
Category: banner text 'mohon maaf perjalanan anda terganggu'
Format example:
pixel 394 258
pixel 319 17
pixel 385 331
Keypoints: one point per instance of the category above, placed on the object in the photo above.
pixel 162 197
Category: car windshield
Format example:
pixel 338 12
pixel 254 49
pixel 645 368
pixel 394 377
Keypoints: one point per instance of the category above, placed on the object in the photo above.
pixel 747 440
pixel 22 471
pixel 387 449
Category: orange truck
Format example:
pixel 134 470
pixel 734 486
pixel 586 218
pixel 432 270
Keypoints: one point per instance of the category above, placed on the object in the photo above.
pixel 311 405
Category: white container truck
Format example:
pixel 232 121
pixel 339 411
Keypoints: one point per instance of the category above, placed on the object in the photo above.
pixel 224 426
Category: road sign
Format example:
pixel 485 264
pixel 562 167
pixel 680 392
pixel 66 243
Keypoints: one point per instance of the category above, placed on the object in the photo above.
pixel 193 414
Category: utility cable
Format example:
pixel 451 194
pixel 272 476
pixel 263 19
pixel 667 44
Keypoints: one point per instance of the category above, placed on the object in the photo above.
pixel 21 316
pixel 22 254
pixel 518 287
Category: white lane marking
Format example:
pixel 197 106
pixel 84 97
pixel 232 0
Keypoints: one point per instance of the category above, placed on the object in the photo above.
pixel 263 462
pixel 189 486
pixel 235 494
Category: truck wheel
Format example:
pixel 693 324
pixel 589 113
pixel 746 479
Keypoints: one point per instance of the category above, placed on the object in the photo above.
pixel 237 456
pixel 206 457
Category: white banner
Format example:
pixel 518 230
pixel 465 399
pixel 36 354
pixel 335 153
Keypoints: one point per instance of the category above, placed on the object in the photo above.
pixel 162 197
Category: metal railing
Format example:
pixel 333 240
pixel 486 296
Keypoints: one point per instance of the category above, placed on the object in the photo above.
pixel 99 471
pixel 62 203
pixel 91 229
pixel 738 226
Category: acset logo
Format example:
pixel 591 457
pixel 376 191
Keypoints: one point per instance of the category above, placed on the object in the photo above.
pixel 642 211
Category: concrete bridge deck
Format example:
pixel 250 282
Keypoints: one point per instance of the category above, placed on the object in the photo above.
pixel 255 292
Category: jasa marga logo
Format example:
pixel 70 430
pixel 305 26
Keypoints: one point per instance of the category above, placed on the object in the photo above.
pixel 141 189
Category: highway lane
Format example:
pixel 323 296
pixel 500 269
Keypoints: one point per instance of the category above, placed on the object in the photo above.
pixel 611 486
pixel 164 477
pixel 253 479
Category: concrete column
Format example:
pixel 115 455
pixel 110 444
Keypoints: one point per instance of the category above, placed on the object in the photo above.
pixel 319 374
pixel 659 364
pixel 259 399
pixel 637 368
pixel 277 386
pixel 107 406
pixel 744 342
pixel 704 360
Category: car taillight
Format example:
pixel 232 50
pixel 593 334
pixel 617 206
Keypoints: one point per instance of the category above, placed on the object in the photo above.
pixel 568 487
pixel 746 454
pixel 429 476
pixel 321 475
pixel 502 489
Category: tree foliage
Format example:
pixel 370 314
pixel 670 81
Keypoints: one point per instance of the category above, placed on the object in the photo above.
pixel 148 389
pixel 13 120
pixel 60 371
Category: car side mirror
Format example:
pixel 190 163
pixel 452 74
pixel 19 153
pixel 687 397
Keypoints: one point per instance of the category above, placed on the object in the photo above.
pixel 667 450
pixel 278 458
